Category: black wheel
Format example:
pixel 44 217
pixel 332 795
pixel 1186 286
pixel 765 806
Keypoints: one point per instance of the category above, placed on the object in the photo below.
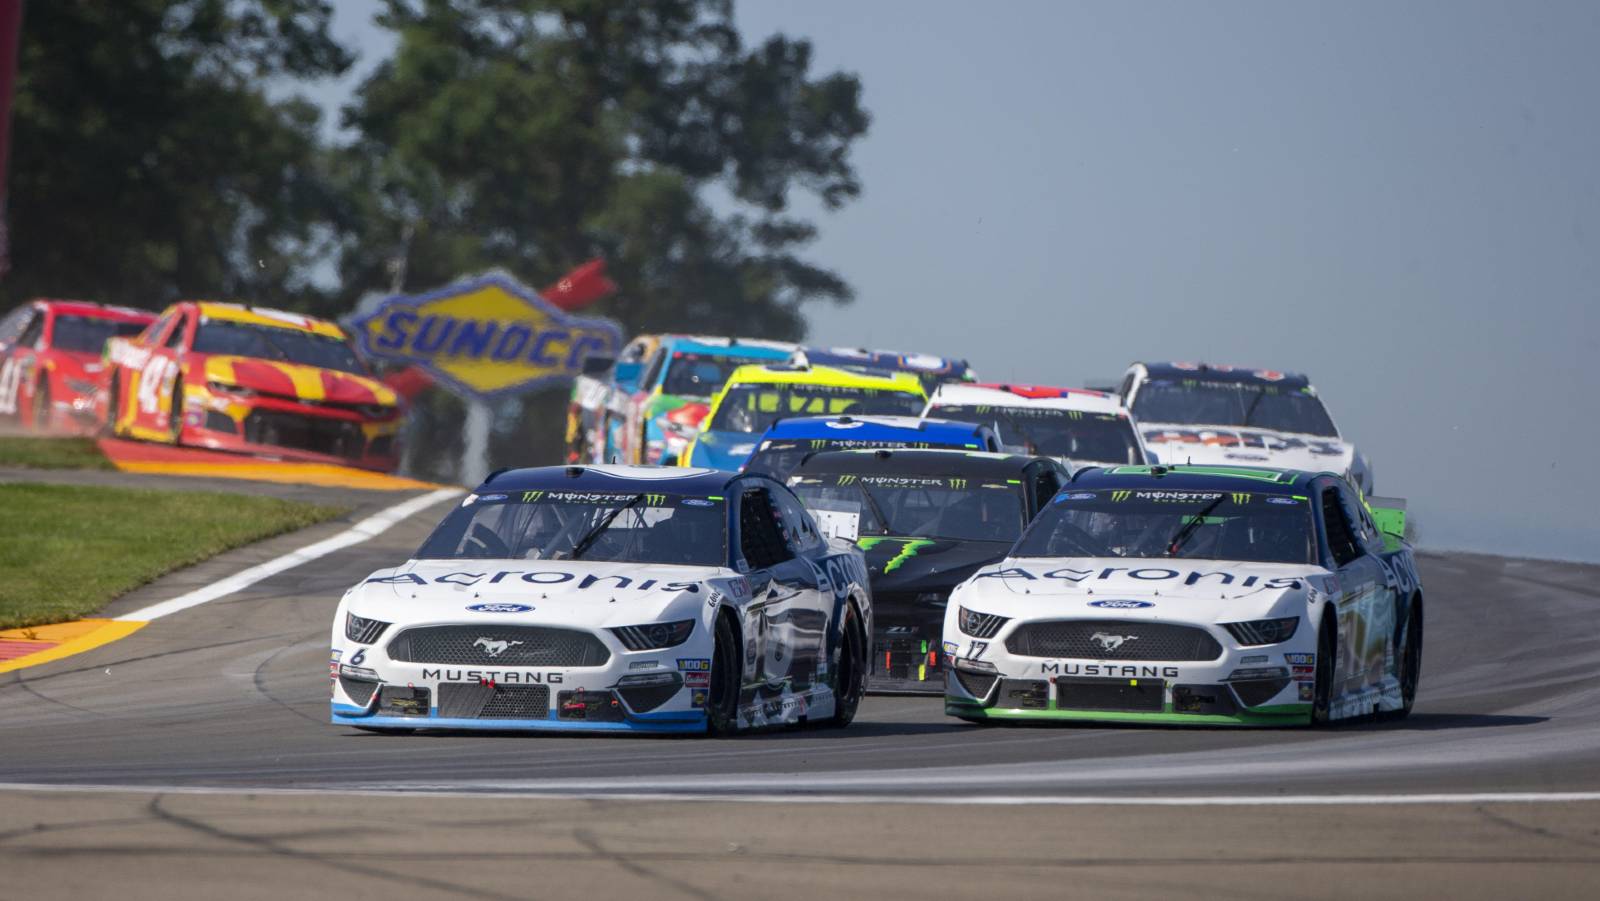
pixel 175 420
pixel 1327 653
pixel 722 701
pixel 108 428
pixel 1410 669
pixel 41 405
pixel 849 670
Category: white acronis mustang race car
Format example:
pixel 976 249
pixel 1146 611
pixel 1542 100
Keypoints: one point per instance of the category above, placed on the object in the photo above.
pixel 1191 594
pixel 610 598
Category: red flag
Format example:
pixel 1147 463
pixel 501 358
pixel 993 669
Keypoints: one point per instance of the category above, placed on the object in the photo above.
pixel 581 287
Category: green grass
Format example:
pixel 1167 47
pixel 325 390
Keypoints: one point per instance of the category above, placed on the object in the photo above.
pixel 52 453
pixel 66 550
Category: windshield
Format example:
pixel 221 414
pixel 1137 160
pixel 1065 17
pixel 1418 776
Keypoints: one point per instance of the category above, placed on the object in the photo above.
pixel 548 525
pixel 1196 402
pixel 89 335
pixel 700 375
pixel 912 506
pixel 754 408
pixel 1244 526
pixel 1074 434
pixel 271 343
pixel 780 456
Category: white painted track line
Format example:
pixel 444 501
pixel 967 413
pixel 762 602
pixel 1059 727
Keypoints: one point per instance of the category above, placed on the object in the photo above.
pixel 368 528
pixel 1004 800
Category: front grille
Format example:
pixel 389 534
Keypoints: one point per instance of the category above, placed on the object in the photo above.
pixel 474 701
pixel 220 422
pixel 499 646
pixel 645 698
pixel 903 653
pixel 1029 694
pixel 1258 692
pixel 360 692
pixel 401 700
pixel 1112 640
pixel 334 437
pixel 1142 695
pixel 975 684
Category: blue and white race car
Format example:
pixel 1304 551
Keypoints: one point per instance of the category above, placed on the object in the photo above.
pixel 788 441
pixel 610 598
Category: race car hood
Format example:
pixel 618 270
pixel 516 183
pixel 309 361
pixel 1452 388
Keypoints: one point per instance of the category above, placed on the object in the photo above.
pixel 1227 446
pixel 573 592
pixel 1117 587
pixel 925 564
pixel 306 383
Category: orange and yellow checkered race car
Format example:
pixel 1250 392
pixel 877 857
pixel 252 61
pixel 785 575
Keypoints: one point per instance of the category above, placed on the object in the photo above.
pixel 236 378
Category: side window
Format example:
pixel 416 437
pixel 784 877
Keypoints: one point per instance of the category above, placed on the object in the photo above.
pixel 633 353
pixel 175 340
pixel 1366 529
pixel 1127 386
pixel 13 324
pixel 760 539
pixel 153 333
pixel 30 334
pixel 653 372
pixel 796 524
pixel 1342 540
pixel 1045 485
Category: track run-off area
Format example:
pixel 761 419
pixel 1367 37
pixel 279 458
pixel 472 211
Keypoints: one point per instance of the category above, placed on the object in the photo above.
pixel 201 744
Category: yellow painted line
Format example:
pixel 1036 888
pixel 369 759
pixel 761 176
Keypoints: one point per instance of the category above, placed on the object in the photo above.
pixel 75 638
pixel 323 474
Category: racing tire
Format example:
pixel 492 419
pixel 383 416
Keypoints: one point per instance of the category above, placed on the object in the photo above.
pixel 722 699
pixel 1327 654
pixel 108 428
pixel 1410 668
pixel 849 671
pixel 175 419
pixel 41 406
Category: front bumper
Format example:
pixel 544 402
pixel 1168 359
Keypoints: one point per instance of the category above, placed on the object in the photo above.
pixel 290 429
pixel 1243 686
pixel 660 691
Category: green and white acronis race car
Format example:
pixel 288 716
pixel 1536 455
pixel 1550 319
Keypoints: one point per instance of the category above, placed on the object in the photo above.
pixel 1189 594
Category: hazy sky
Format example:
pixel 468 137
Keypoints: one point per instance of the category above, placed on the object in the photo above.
pixel 1402 200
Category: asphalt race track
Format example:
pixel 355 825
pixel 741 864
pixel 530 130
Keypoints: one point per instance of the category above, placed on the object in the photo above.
pixel 194 759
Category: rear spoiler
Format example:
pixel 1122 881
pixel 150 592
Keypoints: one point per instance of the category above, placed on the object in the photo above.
pixel 1389 513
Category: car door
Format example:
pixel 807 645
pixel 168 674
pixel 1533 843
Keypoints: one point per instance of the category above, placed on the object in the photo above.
pixel 152 388
pixel 18 360
pixel 779 599
pixel 1364 596
pixel 809 623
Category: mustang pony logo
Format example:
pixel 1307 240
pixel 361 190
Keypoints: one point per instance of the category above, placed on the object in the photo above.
pixel 494 647
pixel 1110 642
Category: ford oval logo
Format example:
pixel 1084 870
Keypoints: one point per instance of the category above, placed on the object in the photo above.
pixel 500 608
pixel 1121 605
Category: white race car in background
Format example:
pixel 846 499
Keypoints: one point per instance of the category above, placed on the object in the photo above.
pixel 610 598
pixel 1199 413
pixel 1201 595
pixel 1077 426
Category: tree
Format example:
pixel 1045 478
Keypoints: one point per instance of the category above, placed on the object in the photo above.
pixel 148 162
pixel 536 134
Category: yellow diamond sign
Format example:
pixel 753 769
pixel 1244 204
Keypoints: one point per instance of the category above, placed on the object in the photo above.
pixel 486 336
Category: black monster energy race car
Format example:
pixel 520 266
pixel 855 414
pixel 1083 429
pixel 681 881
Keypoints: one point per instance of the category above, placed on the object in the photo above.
pixel 926 520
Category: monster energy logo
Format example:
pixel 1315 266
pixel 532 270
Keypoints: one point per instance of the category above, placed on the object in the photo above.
pixel 983 410
pixel 1118 496
pixel 655 500
pixel 1241 497
pixel 529 497
pixel 818 443
pixel 847 480
pixel 958 484
pixel 1075 414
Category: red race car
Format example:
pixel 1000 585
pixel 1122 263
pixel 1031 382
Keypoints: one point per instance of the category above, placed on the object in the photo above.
pixel 236 378
pixel 50 361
